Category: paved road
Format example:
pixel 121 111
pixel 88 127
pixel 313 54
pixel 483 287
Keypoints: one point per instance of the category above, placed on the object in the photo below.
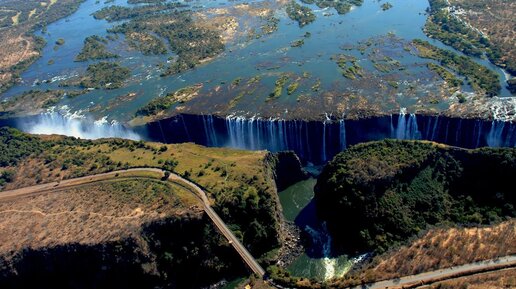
pixel 443 274
pixel 64 184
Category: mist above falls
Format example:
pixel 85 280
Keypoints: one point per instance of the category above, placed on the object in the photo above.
pixel 76 125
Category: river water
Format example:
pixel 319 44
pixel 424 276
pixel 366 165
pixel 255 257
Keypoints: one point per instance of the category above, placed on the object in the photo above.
pixel 328 34
pixel 318 261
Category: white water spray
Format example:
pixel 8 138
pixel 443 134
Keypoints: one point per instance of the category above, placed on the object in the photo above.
pixel 77 125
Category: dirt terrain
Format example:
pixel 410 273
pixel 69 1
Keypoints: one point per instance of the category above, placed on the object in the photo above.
pixel 497 280
pixel 91 214
pixel 495 19
pixel 18 19
pixel 441 248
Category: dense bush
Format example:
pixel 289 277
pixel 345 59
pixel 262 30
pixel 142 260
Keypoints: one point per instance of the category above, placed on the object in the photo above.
pixel 94 48
pixel 16 145
pixel 479 77
pixel 393 189
pixel 303 15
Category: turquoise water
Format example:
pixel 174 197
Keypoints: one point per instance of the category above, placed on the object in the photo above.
pixel 328 34
pixel 317 262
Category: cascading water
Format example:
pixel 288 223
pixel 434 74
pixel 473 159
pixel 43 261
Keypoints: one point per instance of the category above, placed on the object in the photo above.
pixel 76 125
pixel 313 141
pixel 319 141
pixel 330 266
pixel 407 126
pixel 495 136
pixel 342 134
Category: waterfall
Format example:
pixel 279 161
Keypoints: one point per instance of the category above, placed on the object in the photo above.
pixel 209 130
pixel 76 125
pixel 318 141
pixel 342 131
pixel 494 137
pixel 407 127
pixel 434 130
pixel 330 267
pixel 323 147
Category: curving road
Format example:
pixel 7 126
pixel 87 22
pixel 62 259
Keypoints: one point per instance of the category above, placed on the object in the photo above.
pixel 421 279
pixel 147 172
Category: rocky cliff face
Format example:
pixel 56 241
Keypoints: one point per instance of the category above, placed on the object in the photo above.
pixel 175 252
pixel 287 169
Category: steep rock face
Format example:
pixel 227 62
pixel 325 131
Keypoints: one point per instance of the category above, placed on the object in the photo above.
pixel 378 194
pixel 287 169
pixel 319 141
pixel 175 252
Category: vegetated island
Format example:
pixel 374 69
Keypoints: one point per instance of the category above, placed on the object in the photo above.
pixel 147 29
pixel 341 6
pixel 101 75
pixel 94 49
pixel 301 14
pixel 477 28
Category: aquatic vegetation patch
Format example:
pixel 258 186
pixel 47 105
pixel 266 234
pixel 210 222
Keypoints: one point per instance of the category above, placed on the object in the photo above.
pixel 297 43
pixel 105 75
pixel 349 66
pixel 386 6
pixel 278 87
pixel 447 76
pixel 341 6
pixel 482 79
pixel 302 14
pixel 161 104
pixel 191 43
pixel 34 101
pixel 94 49
pixel 386 64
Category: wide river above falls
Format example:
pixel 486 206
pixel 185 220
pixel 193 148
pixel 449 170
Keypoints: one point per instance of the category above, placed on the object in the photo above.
pixel 329 33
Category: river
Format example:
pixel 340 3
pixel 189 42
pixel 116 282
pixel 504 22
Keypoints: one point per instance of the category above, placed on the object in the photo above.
pixel 318 261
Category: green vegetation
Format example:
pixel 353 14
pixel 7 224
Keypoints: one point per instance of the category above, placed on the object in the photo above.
pixel 303 15
pixel 292 87
pixel 395 189
pixel 144 1
pixel 454 32
pixel 244 195
pixel 118 13
pixel 60 41
pixel 148 28
pixel 278 87
pixel 447 76
pixel 387 64
pixel 342 6
pixel 461 98
pixel 107 75
pixel 161 104
pixel 451 31
pixel 18 20
pixel 317 86
pixel 479 77
pixel 33 101
pixel 94 48
pixel 348 65
pixel 386 6
pixel 146 43
pixel 297 43
pixel 236 81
